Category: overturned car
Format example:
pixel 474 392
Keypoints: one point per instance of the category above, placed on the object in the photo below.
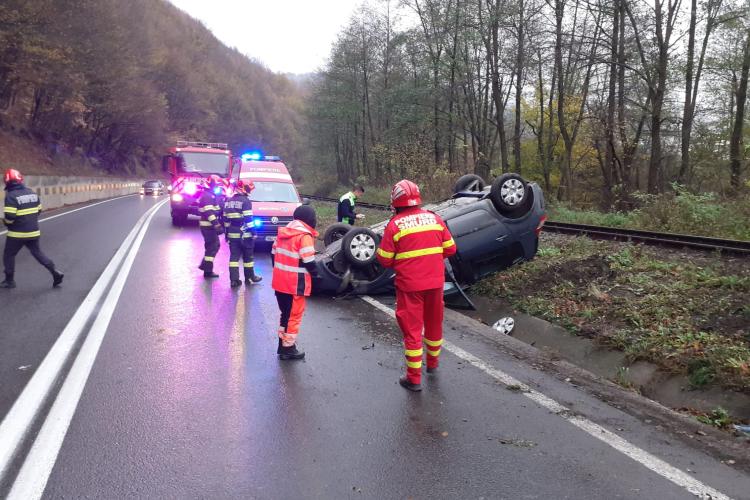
pixel 494 227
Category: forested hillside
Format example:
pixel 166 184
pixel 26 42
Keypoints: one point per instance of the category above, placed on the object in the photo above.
pixel 596 100
pixel 114 82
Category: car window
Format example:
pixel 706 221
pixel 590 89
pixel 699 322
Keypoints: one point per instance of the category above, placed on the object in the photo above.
pixel 152 184
pixel 274 191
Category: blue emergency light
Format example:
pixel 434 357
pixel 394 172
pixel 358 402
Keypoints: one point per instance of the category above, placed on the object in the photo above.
pixel 257 222
pixel 252 155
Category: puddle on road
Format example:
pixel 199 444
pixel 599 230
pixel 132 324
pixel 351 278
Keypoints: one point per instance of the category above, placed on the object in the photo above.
pixel 668 389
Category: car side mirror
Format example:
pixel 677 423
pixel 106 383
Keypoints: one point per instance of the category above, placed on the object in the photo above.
pixel 305 201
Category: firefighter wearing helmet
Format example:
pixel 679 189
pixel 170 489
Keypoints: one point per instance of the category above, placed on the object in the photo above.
pixel 238 224
pixel 21 216
pixel 210 224
pixel 414 244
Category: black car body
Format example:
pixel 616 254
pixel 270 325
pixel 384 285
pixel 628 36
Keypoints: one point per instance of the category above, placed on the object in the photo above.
pixel 153 188
pixel 490 236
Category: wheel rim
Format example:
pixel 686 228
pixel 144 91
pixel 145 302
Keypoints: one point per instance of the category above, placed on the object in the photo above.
pixel 504 325
pixel 362 247
pixel 512 192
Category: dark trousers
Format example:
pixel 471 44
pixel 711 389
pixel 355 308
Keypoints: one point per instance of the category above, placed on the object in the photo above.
pixel 14 245
pixel 241 248
pixel 211 245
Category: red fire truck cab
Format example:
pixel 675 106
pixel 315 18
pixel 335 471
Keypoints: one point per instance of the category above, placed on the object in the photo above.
pixel 189 164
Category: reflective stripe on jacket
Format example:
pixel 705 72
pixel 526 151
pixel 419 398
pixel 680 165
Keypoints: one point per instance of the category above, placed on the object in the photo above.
pixel 414 244
pixel 294 246
pixel 208 208
pixel 21 212
pixel 238 217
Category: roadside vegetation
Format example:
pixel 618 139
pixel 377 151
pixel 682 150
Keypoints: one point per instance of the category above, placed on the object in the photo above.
pixel 687 313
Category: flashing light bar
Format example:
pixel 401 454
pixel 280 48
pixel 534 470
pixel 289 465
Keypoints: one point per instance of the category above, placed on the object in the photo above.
pixel 258 156
pixel 200 144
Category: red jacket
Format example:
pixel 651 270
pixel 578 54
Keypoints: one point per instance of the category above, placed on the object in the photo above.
pixel 414 244
pixel 294 246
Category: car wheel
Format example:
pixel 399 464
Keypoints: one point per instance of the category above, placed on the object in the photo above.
pixel 511 195
pixel 179 218
pixel 468 182
pixel 359 246
pixel 335 232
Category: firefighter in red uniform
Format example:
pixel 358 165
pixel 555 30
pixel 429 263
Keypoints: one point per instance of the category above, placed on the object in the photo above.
pixel 293 256
pixel 414 244
pixel 210 224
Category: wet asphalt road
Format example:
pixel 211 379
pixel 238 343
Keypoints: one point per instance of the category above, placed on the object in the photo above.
pixel 186 398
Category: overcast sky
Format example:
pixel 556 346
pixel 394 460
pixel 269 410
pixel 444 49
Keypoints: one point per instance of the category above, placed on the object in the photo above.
pixel 288 36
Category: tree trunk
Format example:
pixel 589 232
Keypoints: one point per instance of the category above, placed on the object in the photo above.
pixel 519 88
pixel 736 154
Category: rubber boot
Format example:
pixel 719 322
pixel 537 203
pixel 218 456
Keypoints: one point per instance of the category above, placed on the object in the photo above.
pixel 278 350
pixel 202 265
pixel 8 283
pixel 432 369
pixel 235 283
pixel 57 279
pixel 404 382
pixel 291 353
pixel 211 274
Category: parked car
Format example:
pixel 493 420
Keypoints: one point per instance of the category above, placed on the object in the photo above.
pixel 153 188
pixel 494 228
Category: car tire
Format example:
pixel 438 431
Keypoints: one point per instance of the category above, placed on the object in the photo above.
pixel 468 182
pixel 511 195
pixel 360 246
pixel 179 218
pixel 335 232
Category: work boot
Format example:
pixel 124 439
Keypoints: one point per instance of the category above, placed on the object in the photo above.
pixel 8 284
pixel 253 278
pixel 278 350
pixel 202 265
pixel 210 274
pixel 57 278
pixel 411 386
pixel 291 353
pixel 432 369
pixel 235 283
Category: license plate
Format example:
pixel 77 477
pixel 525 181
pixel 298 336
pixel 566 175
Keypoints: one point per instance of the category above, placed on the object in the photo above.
pixel 270 238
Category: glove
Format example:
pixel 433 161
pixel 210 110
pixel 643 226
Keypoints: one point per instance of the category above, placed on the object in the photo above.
pixel 219 230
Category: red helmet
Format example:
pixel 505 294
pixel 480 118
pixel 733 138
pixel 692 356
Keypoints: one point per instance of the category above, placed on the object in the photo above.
pixel 214 180
pixel 245 186
pixel 405 194
pixel 13 175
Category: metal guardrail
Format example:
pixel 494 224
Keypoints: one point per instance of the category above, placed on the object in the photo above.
pixel 735 247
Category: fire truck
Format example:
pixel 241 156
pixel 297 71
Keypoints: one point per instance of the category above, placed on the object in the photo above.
pixel 189 164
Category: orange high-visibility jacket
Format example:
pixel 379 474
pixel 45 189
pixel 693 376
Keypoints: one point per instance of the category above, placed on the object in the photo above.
pixel 294 246
pixel 414 244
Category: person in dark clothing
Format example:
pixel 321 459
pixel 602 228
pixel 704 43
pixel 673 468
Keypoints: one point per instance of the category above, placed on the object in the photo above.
pixel 21 216
pixel 238 223
pixel 210 225
pixel 346 213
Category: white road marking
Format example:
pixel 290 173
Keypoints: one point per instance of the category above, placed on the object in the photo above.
pixel 37 467
pixel 77 209
pixel 641 456
pixel 22 414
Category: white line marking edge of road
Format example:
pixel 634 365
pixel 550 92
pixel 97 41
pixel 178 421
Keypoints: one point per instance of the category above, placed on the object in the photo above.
pixel 79 208
pixel 620 444
pixel 38 464
pixel 27 405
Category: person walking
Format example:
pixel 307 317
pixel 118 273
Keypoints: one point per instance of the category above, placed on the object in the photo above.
pixel 21 216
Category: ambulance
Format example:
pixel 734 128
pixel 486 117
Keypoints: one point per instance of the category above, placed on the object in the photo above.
pixel 275 196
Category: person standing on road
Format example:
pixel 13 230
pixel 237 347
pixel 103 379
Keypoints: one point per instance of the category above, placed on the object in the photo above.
pixel 346 212
pixel 21 216
pixel 293 257
pixel 210 224
pixel 238 223
pixel 414 244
